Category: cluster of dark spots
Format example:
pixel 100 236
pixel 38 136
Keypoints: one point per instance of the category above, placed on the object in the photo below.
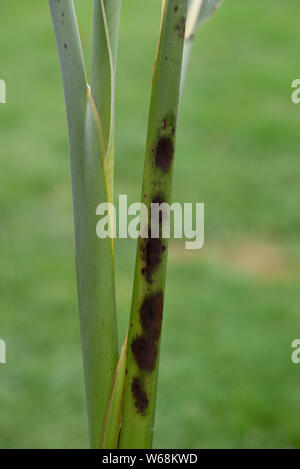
pixel 180 27
pixel 140 397
pixel 164 153
pixel 151 252
pixel 145 352
pixel 151 316
pixel 144 347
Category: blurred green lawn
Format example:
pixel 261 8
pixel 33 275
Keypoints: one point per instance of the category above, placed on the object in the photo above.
pixel 232 309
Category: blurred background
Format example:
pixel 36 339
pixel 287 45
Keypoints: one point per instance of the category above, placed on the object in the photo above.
pixel 232 308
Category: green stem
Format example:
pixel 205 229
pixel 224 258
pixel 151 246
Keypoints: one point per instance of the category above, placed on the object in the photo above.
pixel 151 261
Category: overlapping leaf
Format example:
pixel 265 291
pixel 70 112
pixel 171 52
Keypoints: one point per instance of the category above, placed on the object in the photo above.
pixel 90 124
pixel 199 11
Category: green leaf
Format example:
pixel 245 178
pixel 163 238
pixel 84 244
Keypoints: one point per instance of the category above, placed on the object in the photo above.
pixel 113 418
pixel 151 261
pixel 90 187
pixel 96 282
pixel 199 11
pixel 106 20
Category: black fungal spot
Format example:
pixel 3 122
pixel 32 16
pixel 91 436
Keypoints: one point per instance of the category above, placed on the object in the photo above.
pixel 140 398
pixel 144 351
pixel 144 347
pixel 164 153
pixel 176 8
pixel 151 252
pixel 180 27
pixel 151 316
pixel 65 45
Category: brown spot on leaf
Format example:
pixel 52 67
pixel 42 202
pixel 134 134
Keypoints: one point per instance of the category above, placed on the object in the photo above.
pixel 65 45
pixel 151 316
pixel 151 252
pixel 144 347
pixel 164 153
pixel 145 352
pixel 140 397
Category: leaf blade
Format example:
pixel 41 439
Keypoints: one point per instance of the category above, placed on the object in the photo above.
pixel 94 257
pixel 149 284
pixel 113 418
pixel 198 13
pixel 104 56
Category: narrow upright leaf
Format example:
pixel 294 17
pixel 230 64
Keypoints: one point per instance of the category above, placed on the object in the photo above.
pixel 106 19
pixel 151 260
pixel 199 11
pixel 113 417
pixel 90 187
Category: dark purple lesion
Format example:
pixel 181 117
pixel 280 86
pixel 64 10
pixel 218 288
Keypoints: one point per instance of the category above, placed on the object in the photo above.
pixel 164 153
pixel 151 250
pixel 141 400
